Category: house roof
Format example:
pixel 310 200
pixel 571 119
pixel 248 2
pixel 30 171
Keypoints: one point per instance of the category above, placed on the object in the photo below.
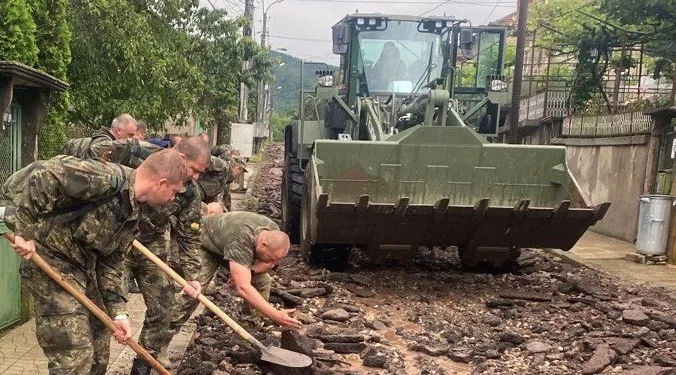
pixel 26 76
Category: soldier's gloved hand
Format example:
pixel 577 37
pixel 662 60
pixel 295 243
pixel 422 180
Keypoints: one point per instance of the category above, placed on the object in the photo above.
pixel 193 289
pixel 123 330
pixel 24 248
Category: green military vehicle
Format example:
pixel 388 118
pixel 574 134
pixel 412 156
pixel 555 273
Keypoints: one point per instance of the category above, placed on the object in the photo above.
pixel 395 150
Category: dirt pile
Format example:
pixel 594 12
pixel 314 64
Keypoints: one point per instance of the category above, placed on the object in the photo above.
pixel 430 317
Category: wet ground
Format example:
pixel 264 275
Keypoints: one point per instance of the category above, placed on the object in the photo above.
pixel 428 316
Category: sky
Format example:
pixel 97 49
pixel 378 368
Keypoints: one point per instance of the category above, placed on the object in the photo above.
pixel 303 27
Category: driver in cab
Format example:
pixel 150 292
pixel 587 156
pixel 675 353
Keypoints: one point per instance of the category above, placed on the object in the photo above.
pixel 389 67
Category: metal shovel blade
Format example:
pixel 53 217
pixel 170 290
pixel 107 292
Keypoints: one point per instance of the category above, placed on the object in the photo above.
pixel 285 357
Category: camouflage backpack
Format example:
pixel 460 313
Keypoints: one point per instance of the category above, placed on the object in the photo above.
pixel 12 189
pixel 79 147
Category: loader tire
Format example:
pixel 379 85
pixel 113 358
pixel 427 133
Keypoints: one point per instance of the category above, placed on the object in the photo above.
pixel 331 257
pixel 292 196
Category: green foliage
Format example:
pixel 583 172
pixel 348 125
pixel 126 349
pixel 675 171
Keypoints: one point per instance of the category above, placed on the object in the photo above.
pixel 53 39
pixel 17 33
pixel 286 83
pixel 125 60
pixel 279 122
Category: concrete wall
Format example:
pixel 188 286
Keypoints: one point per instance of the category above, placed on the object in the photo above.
pixel 612 173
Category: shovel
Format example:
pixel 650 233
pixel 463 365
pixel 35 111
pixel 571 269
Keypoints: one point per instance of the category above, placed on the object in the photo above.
pixel 271 354
pixel 91 306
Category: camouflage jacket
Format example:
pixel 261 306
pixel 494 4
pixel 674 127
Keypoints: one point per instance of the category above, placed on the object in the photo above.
pixel 82 147
pixel 153 223
pixel 233 235
pixel 221 151
pixel 213 181
pixel 94 241
pixel 183 217
pixel 129 152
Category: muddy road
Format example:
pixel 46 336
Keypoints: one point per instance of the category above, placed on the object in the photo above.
pixel 430 317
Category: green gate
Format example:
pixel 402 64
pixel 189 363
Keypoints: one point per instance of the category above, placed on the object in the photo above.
pixel 10 161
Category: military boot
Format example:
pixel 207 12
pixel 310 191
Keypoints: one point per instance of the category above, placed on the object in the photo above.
pixel 140 367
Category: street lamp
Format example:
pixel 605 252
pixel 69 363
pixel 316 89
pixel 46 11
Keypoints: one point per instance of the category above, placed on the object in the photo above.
pixel 265 20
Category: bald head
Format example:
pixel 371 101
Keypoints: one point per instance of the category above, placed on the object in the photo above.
pixel 275 244
pixel 194 148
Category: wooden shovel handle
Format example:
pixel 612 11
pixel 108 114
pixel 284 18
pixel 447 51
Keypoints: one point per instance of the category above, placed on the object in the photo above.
pixel 210 305
pixel 91 306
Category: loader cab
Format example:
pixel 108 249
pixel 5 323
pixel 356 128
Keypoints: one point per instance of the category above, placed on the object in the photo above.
pixel 386 56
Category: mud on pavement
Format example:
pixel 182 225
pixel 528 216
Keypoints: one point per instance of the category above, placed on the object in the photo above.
pixel 429 317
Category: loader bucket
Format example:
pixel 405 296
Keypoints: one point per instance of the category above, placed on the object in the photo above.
pixel 443 186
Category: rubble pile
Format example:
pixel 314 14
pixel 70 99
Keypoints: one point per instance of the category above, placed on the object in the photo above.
pixel 430 317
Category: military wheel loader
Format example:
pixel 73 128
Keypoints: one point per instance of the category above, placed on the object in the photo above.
pixel 396 150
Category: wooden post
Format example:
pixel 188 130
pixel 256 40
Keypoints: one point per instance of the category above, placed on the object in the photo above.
pixel 656 136
pixel 665 121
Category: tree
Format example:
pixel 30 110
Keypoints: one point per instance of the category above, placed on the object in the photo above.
pixel 53 40
pixel 17 33
pixel 123 63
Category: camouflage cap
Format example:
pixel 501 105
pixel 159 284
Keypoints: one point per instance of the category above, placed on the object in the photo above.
pixel 238 162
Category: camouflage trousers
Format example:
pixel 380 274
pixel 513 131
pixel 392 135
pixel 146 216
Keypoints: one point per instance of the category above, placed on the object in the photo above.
pixel 184 306
pixel 73 340
pixel 157 291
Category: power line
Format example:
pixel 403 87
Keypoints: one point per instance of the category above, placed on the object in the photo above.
pixel 303 39
pixel 492 11
pixel 391 2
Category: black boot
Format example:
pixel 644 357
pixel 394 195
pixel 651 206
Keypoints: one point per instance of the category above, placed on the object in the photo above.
pixel 140 367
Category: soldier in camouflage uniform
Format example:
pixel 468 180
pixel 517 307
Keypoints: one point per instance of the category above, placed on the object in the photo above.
pixel 122 127
pixel 249 245
pixel 81 216
pixel 154 284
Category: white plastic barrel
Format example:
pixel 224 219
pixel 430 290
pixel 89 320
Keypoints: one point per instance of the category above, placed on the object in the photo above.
pixel 653 223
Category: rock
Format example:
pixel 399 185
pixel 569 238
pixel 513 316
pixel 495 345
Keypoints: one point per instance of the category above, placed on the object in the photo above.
pixel 622 345
pixel 668 334
pixel 349 336
pixel 336 276
pixel 497 303
pixel 295 341
pixel 492 354
pixel 538 347
pixel 462 355
pixel 208 341
pixel 374 357
pixel 554 356
pixel 512 337
pixel 665 359
pixel 492 320
pixel 378 325
pixel 360 279
pixel 338 315
pixel 671 321
pixel 526 296
pixel 656 325
pixel 345 347
pixel 602 357
pixel 308 292
pixel 432 349
pixel 452 335
pixel 648 370
pixel 635 317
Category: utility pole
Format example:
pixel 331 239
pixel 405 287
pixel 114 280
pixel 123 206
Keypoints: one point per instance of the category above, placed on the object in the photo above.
pixel 518 71
pixel 243 89
pixel 260 113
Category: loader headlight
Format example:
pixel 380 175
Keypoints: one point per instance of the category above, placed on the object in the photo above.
pixel 326 81
pixel 498 85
